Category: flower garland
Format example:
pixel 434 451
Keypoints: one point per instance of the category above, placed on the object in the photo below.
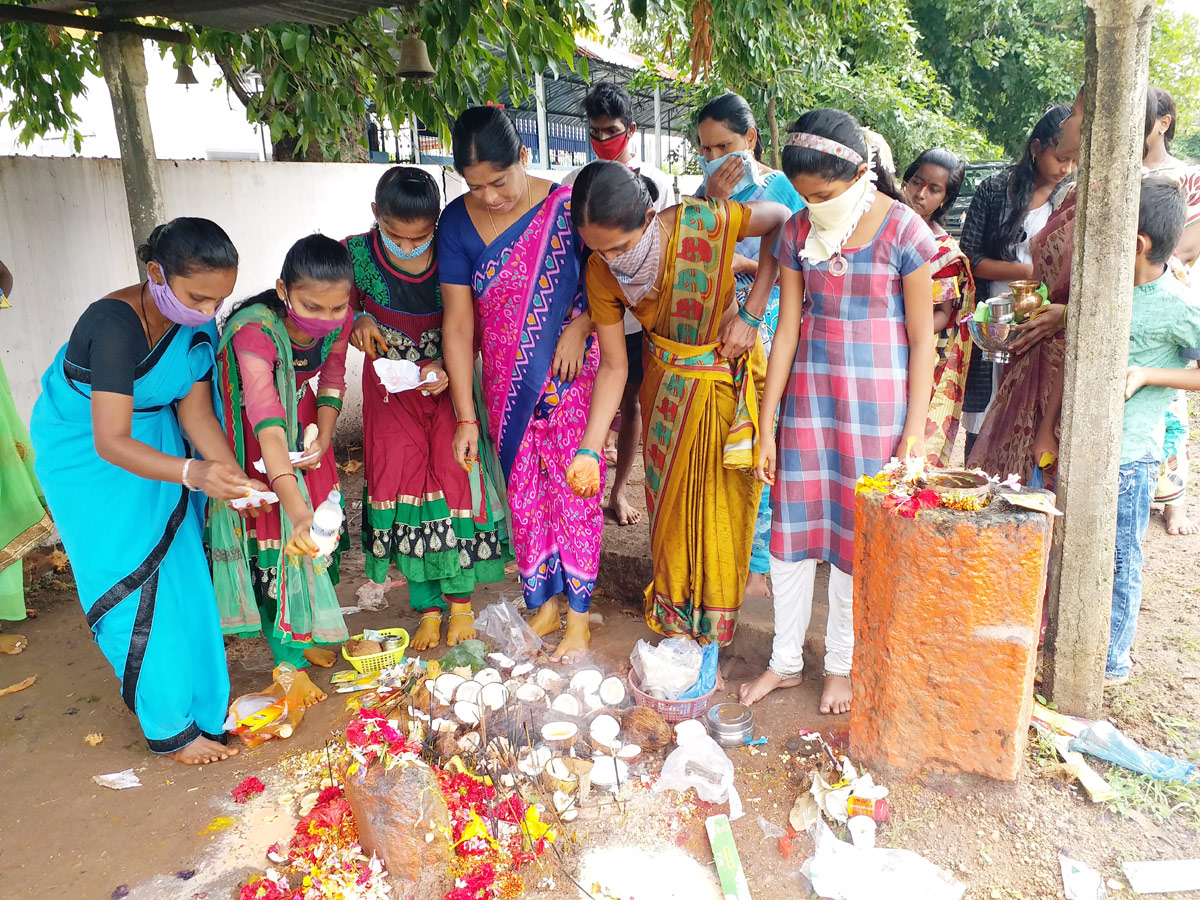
pixel 905 484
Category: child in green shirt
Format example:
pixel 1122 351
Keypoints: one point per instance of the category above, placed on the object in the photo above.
pixel 1165 326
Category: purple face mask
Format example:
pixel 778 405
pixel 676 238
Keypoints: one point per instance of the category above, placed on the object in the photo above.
pixel 314 328
pixel 173 308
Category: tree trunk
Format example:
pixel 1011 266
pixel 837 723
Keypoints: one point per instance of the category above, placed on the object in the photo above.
pixel 1081 581
pixel 773 124
pixel 123 61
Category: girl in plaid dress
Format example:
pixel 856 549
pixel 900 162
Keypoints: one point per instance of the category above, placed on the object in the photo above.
pixel 852 364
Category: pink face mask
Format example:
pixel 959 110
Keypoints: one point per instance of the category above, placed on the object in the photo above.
pixel 174 308
pixel 313 327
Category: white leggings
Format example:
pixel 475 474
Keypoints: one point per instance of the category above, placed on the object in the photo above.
pixel 792 585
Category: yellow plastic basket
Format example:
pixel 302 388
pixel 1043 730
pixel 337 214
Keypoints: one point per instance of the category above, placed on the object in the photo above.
pixel 377 662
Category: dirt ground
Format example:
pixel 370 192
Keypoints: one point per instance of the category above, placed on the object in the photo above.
pixel 180 836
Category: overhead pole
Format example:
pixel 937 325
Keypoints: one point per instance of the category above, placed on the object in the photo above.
pixel 123 60
pixel 1098 321
pixel 658 126
pixel 539 86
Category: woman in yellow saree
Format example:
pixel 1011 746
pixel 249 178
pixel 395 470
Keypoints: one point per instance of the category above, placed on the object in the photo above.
pixel 703 383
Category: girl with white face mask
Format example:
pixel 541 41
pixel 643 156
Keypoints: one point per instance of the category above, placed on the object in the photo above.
pixel 854 374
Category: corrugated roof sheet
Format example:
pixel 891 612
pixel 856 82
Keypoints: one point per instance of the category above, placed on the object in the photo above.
pixel 231 16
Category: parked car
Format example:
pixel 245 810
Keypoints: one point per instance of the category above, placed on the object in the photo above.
pixel 976 172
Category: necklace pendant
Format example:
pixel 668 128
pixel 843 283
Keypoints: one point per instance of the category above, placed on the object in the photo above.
pixel 838 266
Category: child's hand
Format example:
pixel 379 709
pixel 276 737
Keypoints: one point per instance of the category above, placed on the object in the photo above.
pixel 1135 380
pixel 764 471
pixel 367 337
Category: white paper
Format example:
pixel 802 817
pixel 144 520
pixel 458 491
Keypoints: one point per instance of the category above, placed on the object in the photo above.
pixel 400 375
pixel 256 498
pixel 294 457
pixel 118 781
pixel 1081 881
pixel 1164 876
pixel 841 871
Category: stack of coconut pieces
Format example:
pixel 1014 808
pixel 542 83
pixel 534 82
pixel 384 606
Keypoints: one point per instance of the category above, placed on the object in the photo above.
pixel 566 732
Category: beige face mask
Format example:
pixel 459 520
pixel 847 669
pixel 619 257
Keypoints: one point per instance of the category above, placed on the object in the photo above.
pixel 835 220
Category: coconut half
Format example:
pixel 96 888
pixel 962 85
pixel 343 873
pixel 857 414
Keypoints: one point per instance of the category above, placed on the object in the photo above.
pixel 567 704
pixel 445 686
pixel 441 724
pixel 468 692
pixel 561 733
pixel 467 713
pixel 488 676
pixel 522 669
pixel 500 661
pixel 548 680
pixel 604 729
pixel 586 681
pixel 629 752
pixel 592 701
pixel 470 742
pixel 493 696
pixel 530 693
pixel 609 772
pixel 612 691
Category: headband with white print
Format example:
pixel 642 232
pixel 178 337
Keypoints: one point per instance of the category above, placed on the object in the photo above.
pixel 824 145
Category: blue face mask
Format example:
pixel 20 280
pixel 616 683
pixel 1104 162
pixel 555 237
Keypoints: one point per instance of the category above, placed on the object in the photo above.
pixel 394 248
pixel 709 168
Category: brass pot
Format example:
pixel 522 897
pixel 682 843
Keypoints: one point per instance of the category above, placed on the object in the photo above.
pixel 1026 299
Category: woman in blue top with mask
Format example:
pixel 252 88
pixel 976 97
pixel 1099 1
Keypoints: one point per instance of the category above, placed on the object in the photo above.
pixel 730 148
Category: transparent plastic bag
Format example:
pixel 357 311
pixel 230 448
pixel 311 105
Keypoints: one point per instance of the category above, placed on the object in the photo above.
pixel 274 713
pixel 506 631
pixel 1102 740
pixel 701 764
pixel 669 668
pixel 371 596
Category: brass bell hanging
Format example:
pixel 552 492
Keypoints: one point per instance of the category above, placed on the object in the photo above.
pixel 185 75
pixel 414 59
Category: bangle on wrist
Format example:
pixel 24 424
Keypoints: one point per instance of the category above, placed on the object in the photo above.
pixel 183 478
pixel 748 317
pixel 584 451
pixel 474 422
pixel 271 483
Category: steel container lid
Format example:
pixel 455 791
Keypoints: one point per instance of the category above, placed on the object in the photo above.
pixel 730 718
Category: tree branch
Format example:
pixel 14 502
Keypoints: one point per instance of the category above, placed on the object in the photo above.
pixel 232 79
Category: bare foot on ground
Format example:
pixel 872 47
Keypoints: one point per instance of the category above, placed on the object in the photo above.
pixel 753 691
pixel 12 644
pixel 835 699
pixel 462 624
pixel 756 585
pixel 626 513
pixel 576 640
pixel 319 656
pixel 304 692
pixel 545 621
pixel 201 751
pixel 1177 521
pixel 428 634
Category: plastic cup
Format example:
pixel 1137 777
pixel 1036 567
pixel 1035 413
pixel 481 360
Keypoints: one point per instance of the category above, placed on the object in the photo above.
pixel 862 831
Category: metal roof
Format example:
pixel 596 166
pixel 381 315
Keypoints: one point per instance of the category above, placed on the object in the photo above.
pixel 228 15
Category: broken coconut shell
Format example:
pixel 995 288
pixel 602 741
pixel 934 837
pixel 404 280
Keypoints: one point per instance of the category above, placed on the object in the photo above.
pixel 587 681
pixel 567 704
pixel 560 734
pixel 645 727
pixel 557 777
pixel 612 691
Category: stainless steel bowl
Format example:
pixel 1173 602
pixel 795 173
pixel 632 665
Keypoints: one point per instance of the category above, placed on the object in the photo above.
pixel 730 724
pixel 993 338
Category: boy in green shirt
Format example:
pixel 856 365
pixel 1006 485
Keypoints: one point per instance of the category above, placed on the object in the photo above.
pixel 1164 330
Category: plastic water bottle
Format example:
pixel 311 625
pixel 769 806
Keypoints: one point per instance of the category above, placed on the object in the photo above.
pixel 326 528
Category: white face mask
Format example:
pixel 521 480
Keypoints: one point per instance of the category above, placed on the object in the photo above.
pixel 834 220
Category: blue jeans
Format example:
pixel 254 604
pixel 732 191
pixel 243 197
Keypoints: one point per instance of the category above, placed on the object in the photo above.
pixel 1137 480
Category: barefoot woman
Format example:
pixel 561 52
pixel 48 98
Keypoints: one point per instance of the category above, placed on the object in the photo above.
pixel 121 405
pixel 507 249
pixel 702 387
pixel 271 348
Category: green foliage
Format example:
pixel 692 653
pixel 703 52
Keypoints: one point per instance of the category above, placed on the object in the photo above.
pixel 319 83
pixel 42 70
pixel 1003 61
pixel 1175 66
pixel 861 57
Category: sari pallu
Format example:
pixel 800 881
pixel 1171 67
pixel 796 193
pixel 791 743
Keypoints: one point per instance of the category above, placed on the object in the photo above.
pixel 136 545
pixel 699 434
pixel 258 587
pixel 953 282
pixel 1005 443
pixel 527 286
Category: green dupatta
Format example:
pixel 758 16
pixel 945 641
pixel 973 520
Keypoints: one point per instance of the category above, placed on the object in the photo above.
pixel 308 607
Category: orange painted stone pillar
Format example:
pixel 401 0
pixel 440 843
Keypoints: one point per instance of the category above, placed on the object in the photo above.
pixel 947 610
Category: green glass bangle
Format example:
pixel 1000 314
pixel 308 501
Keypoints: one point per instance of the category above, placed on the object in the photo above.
pixel 748 317
pixel 583 451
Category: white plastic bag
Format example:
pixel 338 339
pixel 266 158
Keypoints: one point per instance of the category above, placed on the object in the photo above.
pixel 371 596
pixel 670 668
pixel 703 765
pixel 841 871
pixel 507 631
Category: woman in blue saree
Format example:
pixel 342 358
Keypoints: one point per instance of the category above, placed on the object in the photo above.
pixel 124 405
pixel 509 255
pixel 729 155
